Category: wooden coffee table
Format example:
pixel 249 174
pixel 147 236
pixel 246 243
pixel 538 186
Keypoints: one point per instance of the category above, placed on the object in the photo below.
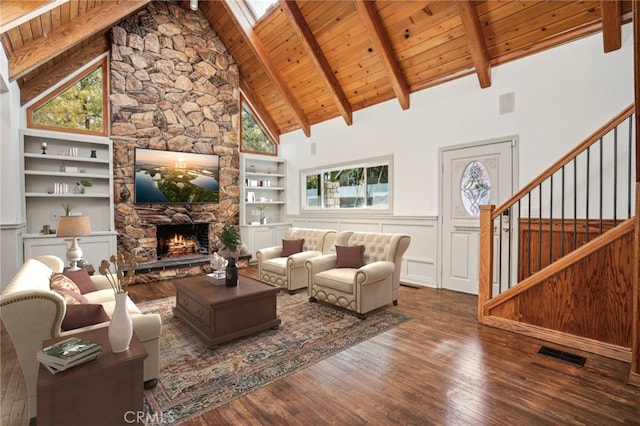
pixel 218 313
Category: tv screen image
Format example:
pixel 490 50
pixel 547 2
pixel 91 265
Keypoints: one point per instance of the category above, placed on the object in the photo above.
pixel 175 177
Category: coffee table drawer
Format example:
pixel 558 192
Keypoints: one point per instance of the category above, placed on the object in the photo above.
pixel 197 310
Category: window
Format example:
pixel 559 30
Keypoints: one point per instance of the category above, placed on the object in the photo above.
pixel 77 106
pixel 254 139
pixel 357 186
pixel 475 187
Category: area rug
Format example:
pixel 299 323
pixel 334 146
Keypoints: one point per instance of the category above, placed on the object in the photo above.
pixel 195 379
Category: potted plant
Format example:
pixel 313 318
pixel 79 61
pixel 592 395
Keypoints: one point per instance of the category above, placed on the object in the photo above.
pixel 85 184
pixel 230 239
pixel 67 209
pixel 261 209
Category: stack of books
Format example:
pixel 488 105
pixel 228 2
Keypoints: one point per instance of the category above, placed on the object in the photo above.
pixel 68 353
pixel 216 278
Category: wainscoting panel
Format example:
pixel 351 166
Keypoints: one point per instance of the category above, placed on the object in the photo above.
pixel 420 262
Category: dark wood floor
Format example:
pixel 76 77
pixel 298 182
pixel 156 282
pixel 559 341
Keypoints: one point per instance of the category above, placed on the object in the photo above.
pixel 441 367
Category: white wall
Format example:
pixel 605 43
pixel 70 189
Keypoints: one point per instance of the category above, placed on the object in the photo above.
pixel 561 96
pixel 10 206
pixel 11 214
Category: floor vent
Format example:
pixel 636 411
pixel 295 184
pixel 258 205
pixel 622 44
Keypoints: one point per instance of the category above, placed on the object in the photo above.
pixel 563 356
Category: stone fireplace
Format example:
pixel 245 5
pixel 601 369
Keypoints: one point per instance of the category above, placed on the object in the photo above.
pixel 182 241
pixel 174 87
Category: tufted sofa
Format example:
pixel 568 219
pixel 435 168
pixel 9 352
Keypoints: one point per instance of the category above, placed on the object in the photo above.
pixel 376 283
pixel 32 312
pixel 289 272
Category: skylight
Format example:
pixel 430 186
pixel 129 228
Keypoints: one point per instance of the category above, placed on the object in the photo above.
pixel 260 7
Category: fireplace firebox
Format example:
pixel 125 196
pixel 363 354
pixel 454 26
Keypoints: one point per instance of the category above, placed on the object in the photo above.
pixel 182 241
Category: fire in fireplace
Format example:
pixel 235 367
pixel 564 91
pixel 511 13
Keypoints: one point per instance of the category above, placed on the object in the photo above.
pixel 182 241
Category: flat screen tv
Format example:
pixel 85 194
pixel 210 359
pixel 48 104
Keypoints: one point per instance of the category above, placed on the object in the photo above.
pixel 175 177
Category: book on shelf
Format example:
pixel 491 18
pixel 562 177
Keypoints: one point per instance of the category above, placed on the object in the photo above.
pixel 56 368
pixel 69 350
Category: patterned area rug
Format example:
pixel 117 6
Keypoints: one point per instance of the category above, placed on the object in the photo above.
pixel 194 379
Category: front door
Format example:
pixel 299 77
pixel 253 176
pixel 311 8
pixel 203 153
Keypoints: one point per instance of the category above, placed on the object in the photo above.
pixel 472 175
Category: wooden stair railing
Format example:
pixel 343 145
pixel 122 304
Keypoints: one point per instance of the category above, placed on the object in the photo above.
pixel 597 292
pixel 554 228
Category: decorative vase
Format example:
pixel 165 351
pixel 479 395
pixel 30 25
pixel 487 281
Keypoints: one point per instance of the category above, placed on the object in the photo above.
pixel 231 272
pixel 121 326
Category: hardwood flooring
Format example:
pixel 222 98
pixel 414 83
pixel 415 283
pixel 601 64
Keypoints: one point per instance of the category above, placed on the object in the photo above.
pixel 441 367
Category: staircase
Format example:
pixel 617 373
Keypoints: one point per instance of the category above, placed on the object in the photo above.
pixel 558 261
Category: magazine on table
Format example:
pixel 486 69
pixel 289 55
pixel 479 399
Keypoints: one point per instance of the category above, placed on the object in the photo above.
pixel 69 350
pixel 56 368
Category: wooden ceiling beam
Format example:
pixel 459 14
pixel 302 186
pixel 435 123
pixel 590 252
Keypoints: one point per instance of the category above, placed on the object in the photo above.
pixel 33 88
pixel 262 116
pixel 476 42
pixel 43 49
pixel 380 39
pixel 318 58
pixel 245 27
pixel 611 25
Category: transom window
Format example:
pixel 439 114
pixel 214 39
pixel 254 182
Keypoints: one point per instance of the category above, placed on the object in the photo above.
pixel 77 106
pixel 351 186
pixel 254 138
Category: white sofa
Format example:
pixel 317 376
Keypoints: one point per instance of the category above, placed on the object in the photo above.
pixel 32 312
pixel 374 284
pixel 289 271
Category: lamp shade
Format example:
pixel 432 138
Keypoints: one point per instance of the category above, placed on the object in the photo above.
pixel 73 226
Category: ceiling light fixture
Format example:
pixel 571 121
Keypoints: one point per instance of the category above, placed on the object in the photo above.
pixel 193 4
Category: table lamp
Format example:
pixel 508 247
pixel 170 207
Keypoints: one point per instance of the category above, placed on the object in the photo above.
pixel 73 226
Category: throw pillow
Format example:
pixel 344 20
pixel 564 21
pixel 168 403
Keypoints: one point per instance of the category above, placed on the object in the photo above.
pixel 349 256
pixel 82 279
pixel 60 281
pixel 79 316
pixel 71 297
pixel 290 247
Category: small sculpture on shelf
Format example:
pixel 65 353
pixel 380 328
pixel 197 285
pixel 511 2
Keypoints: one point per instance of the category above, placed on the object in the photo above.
pixel 43 147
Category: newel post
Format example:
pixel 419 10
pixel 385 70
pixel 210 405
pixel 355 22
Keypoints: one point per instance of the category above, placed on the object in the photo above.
pixel 485 268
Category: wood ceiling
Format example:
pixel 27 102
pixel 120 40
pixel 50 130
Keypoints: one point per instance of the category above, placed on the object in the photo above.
pixel 306 62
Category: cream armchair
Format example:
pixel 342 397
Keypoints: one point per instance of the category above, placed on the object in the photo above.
pixel 360 289
pixel 289 271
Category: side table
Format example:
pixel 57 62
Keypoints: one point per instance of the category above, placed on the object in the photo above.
pixel 106 391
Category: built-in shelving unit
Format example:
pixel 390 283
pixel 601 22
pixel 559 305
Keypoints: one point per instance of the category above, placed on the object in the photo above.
pixel 54 166
pixel 262 200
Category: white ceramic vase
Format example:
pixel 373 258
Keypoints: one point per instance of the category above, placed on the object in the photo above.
pixel 121 326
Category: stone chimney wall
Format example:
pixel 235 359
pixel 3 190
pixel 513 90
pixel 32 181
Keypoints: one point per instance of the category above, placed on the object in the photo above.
pixel 174 87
